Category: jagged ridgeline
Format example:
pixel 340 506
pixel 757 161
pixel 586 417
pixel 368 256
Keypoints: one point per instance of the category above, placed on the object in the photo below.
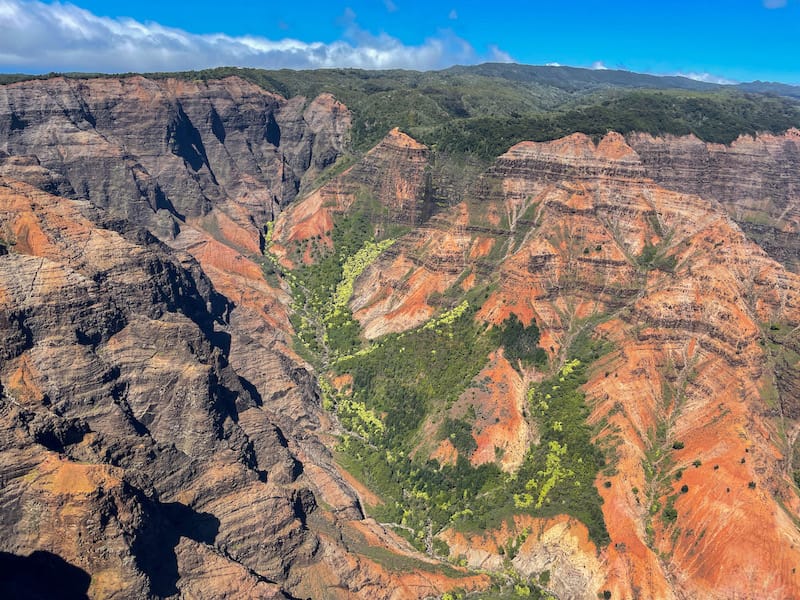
pixel 483 110
pixel 402 397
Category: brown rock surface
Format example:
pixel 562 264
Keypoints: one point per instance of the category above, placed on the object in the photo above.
pixel 192 445
pixel 579 231
pixel 393 173
pixel 159 151
pixel 559 546
pixel 132 449
pixel 756 179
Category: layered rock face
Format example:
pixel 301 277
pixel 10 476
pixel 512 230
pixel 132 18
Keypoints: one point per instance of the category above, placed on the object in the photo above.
pixel 757 180
pixel 160 437
pixel 689 394
pixel 391 175
pixel 159 152
pixel 570 233
pixel 121 414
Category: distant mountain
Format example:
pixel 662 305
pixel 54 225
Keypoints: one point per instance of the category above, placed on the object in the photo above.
pixel 766 87
pixel 570 79
pixel 575 79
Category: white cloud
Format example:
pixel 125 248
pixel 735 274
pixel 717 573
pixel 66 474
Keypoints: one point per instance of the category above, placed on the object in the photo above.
pixel 707 78
pixel 499 56
pixel 63 37
pixel 774 3
pixel 599 66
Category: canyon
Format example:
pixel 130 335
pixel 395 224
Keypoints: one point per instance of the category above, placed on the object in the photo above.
pixel 195 276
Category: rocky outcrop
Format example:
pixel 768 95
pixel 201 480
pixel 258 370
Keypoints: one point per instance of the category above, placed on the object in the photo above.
pixel 158 152
pixel 161 438
pixel 133 450
pixel 121 409
pixel 389 184
pixel 757 180
pixel 559 548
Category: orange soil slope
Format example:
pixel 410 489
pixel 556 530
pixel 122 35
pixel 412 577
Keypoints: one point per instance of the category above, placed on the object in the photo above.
pixel 578 232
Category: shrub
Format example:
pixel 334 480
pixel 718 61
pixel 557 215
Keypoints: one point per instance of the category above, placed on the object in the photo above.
pixel 459 432
pixel 520 342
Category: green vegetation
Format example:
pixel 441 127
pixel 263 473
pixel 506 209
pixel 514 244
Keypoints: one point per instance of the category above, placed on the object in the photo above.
pixel 353 267
pixel 459 432
pixel 560 472
pixel 521 343
pixel 407 377
pixel 401 381
pixel 670 514
pixel 485 109
pixel 654 257
pixel 322 319
pixel 718 117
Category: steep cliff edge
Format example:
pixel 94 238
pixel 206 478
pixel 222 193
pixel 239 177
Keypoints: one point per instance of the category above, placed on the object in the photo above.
pixel 121 412
pixel 756 179
pixel 159 152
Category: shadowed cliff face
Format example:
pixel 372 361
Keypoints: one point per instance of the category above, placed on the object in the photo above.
pixel 40 576
pixel 136 147
pixel 159 433
pixel 120 411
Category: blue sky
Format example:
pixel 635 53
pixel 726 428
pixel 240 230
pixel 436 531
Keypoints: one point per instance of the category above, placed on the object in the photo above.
pixel 737 40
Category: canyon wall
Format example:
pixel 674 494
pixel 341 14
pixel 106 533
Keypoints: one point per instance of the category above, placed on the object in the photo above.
pixel 756 179
pixel 161 437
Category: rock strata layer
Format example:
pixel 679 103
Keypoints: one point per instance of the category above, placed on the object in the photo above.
pixel 160 437
pixel 756 179
pixel 696 396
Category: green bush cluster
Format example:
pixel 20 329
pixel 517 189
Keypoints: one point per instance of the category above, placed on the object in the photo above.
pixel 321 290
pixel 407 375
pixel 521 343
pixel 405 381
pixel 459 432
